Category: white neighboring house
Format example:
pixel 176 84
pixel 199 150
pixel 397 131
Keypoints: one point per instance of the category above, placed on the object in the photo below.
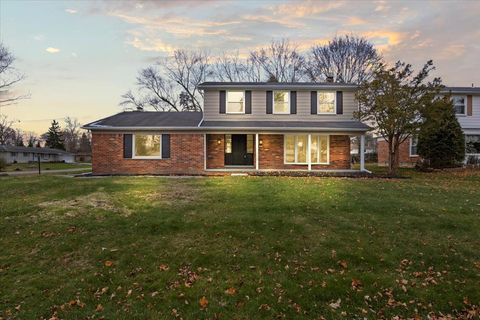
pixel 14 154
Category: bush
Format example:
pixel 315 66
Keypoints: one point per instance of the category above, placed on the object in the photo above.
pixel 441 142
pixel 3 164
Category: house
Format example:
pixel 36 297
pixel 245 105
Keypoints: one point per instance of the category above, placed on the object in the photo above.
pixel 83 156
pixel 466 101
pixel 245 127
pixel 14 154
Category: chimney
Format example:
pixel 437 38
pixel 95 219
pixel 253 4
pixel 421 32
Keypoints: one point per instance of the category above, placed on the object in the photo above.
pixel 329 79
pixel 473 86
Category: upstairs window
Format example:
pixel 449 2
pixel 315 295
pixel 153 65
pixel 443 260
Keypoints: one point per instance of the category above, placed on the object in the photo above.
pixel 147 146
pixel 281 102
pixel 326 102
pixel 235 102
pixel 459 104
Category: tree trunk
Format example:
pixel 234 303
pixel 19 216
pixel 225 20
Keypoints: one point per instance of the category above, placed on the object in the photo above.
pixel 392 158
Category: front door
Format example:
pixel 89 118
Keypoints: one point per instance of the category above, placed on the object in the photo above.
pixel 239 149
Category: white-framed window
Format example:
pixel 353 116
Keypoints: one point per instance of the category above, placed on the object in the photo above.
pixel 326 102
pixel 413 146
pixel 296 148
pixel 228 143
pixel 472 144
pixel 235 102
pixel 281 102
pixel 147 146
pixel 460 103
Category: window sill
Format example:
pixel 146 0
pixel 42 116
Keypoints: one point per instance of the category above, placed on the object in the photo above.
pixel 306 164
pixel 327 114
pixel 147 158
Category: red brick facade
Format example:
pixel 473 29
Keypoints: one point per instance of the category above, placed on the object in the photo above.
pixel 186 156
pixel 404 159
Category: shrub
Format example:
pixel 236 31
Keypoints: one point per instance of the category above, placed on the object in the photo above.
pixel 3 164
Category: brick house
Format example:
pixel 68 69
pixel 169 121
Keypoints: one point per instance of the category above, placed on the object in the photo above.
pixel 244 127
pixel 466 101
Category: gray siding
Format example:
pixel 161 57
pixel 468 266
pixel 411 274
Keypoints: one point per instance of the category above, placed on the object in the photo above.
pixel 473 121
pixel 259 110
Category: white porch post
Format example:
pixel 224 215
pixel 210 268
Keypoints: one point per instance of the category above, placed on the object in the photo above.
pixel 309 154
pixel 362 152
pixel 256 151
pixel 205 152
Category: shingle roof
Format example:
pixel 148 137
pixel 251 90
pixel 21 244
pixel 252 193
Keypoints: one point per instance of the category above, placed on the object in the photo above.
pixel 134 119
pixel 286 125
pixel 6 148
pixel 277 85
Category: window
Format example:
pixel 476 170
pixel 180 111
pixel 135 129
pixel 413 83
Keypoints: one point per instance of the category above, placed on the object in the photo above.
pixel 281 102
pixel 45 156
pixel 147 146
pixel 249 143
pixel 413 146
pixel 25 154
pixel 235 102
pixel 296 148
pixel 472 144
pixel 459 104
pixel 326 102
pixel 13 154
pixel 228 143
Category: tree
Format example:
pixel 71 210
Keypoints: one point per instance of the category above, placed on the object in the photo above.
pixel 441 142
pixel 394 101
pixel 71 134
pixel 54 137
pixel 32 139
pixel 85 143
pixel 348 59
pixel 18 138
pixel 9 77
pixel 6 131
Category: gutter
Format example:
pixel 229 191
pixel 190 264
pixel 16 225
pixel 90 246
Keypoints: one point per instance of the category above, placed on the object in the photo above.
pixel 197 128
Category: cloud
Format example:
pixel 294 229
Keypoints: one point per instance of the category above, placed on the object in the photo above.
pixel 305 8
pixel 71 11
pixel 39 37
pixel 356 21
pixel 52 50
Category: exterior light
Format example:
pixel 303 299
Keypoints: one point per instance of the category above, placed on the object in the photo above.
pixel 219 141
pixel 261 142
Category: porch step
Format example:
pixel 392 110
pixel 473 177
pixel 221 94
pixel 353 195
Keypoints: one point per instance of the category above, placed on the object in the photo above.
pixel 239 174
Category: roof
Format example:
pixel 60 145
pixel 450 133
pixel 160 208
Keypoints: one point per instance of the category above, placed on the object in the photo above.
pixel 7 148
pixel 462 89
pixel 350 125
pixel 146 119
pixel 143 120
pixel 277 85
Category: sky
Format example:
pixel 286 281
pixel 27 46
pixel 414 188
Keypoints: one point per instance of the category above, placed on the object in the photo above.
pixel 81 56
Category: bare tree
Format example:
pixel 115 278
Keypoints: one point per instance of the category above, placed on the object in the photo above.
pixel 31 139
pixel 280 60
pixel 9 77
pixel 71 134
pixel 348 59
pixel 7 133
pixel 232 68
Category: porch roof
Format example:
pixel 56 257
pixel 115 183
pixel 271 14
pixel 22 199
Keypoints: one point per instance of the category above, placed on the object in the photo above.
pixel 350 125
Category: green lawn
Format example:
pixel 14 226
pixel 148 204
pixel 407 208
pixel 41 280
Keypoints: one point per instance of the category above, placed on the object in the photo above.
pixel 46 166
pixel 240 247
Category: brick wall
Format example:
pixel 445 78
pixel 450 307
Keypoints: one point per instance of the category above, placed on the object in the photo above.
pixel 403 154
pixel 271 153
pixel 215 151
pixel 186 156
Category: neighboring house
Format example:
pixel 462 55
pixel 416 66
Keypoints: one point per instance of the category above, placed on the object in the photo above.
pixel 466 101
pixel 14 154
pixel 83 157
pixel 245 127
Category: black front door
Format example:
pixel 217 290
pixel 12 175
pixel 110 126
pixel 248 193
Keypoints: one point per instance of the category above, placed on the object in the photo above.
pixel 238 150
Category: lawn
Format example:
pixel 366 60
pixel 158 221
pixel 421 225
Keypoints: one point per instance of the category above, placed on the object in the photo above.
pixel 240 247
pixel 46 166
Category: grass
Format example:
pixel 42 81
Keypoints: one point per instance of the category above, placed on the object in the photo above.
pixel 252 247
pixel 46 166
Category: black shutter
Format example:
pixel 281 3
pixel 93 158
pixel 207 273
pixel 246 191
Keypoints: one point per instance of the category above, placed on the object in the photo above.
pixel 339 102
pixel 313 102
pixel 223 101
pixel 165 146
pixel 127 146
pixel 269 102
pixel 293 102
pixel 248 101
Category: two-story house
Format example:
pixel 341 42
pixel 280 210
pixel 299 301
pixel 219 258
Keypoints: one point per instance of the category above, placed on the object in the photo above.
pixel 466 101
pixel 244 127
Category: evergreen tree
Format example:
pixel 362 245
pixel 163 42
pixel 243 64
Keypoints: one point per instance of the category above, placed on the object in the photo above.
pixel 85 145
pixel 55 137
pixel 441 142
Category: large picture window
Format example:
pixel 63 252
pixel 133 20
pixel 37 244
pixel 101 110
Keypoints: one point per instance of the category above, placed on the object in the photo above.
pixel 296 148
pixel 459 104
pixel 281 102
pixel 235 102
pixel 472 144
pixel 147 146
pixel 326 102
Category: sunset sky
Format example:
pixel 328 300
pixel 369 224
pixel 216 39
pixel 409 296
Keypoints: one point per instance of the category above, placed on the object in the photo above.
pixel 80 57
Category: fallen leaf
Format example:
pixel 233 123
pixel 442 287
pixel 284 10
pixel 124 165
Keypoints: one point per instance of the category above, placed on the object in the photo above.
pixel 231 291
pixel 163 267
pixel 99 308
pixel 343 264
pixel 108 263
pixel 335 305
pixel 356 284
pixel 203 302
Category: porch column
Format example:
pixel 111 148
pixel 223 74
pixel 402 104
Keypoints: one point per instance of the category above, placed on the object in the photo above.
pixel 256 151
pixel 309 154
pixel 205 152
pixel 362 152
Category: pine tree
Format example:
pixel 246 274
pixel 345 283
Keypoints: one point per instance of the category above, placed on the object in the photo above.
pixel 441 142
pixel 85 145
pixel 55 137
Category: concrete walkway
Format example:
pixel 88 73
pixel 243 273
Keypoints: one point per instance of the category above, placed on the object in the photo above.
pixel 25 173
